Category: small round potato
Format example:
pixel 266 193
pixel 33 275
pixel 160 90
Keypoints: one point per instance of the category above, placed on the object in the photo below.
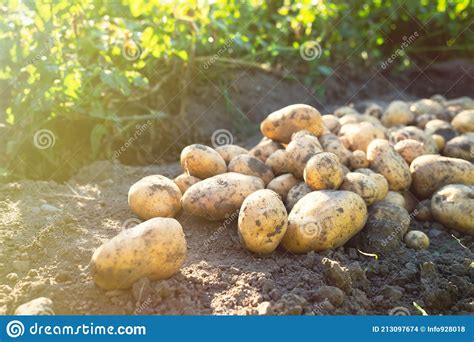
pixel 414 133
pixel 265 148
pixel 202 161
pixel 155 249
pixel 296 193
pixel 358 160
pixel 397 113
pixel 282 184
pixel 410 149
pixel 184 181
pixel 382 184
pixel 228 152
pixel 395 198
pixel 251 166
pixel 154 196
pixel 262 221
pixel 278 162
pixel 332 122
pixel 360 135
pixel 299 151
pixel 323 172
pixel 280 125
pixel 374 110
pixel 427 106
pixel 464 121
pixel 362 184
pixel 417 240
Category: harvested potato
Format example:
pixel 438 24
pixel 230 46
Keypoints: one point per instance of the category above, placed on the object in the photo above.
pixel 431 172
pixel 265 148
pixel 299 151
pixel 427 106
pixel 423 211
pixel 280 125
pixel 395 198
pixel 397 113
pixel 251 166
pixel 385 160
pixel 278 162
pixel 410 149
pixel 440 127
pixel 155 249
pixel 414 133
pixel 282 184
pixel 296 193
pixel 349 119
pixel 331 122
pixel 228 152
pixel 202 161
pixel 374 110
pixel 346 110
pixel 358 160
pixel 323 171
pixel 362 184
pixel 263 221
pixel 154 196
pixel 324 220
pixel 439 140
pixel 417 240
pixel 422 120
pixel 464 121
pixel 460 147
pixel 184 181
pixel 453 206
pixel 361 134
pixel 220 196
pixel 382 184
pixel 331 143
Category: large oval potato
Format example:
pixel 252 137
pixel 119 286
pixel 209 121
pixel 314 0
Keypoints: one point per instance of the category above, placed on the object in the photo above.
pixel 184 181
pixel 278 162
pixel 324 220
pixel 427 106
pixel 218 197
pixel 453 206
pixel 385 160
pixel 251 166
pixel 154 196
pixel 300 150
pixel 282 184
pixel 464 121
pixel 155 249
pixel 296 193
pixel 265 148
pixel 280 125
pixel 228 152
pixel 460 147
pixel 323 171
pixel 397 113
pixel 431 172
pixel 262 221
pixel 382 184
pixel 202 161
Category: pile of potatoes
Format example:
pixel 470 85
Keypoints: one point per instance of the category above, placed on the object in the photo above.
pixel 314 182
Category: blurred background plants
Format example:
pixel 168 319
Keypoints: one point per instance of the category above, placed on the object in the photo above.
pixel 93 72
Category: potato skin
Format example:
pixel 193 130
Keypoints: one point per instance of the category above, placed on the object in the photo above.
pixel 299 151
pixel 251 166
pixel 265 148
pixel 220 196
pixel 411 132
pixel 395 198
pixel 323 171
pixel 460 147
pixel 453 206
pixel 397 113
pixel 410 149
pixel 230 151
pixel 282 184
pixel 154 196
pixel 361 184
pixel 280 125
pixel 385 160
pixel 296 193
pixel 382 184
pixel 431 172
pixel 202 161
pixel 360 135
pixel 278 162
pixel 464 121
pixel 155 249
pixel 263 221
pixel 184 181
pixel 358 160
pixel 417 239
pixel 332 123
pixel 324 220
pixel 331 143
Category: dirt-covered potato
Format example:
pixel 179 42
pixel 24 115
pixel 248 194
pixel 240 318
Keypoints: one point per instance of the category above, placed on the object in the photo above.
pixel 299 151
pixel 296 193
pixel 358 160
pixel 431 172
pixel 439 140
pixel 460 147
pixel 423 211
pixel 382 184
pixel 282 184
pixel 184 181
pixel 332 122
pixel 412 132
pixel 324 220
pixel 397 113
pixel 323 171
pixel 385 160
pixel 345 111
pixel 423 119
pixel 265 148
pixel 442 128
pixel 417 239
pixel 278 162
pixel 362 184
pixel 395 198
pixel 374 110
pixel 280 125
pixel 220 196
pixel 464 121
pixel 427 106
pixel 361 134
pixel 331 143
pixel 154 196
pixel 263 221
pixel 410 149
pixel 155 249
pixel 453 206
pixel 251 166
pixel 349 119
pixel 201 161
pixel 228 152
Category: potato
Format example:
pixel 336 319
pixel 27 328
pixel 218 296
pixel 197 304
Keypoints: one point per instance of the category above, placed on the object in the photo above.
pixel 397 113
pixel 410 149
pixel 395 198
pixel 296 193
pixel 155 249
pixel 453 206
pixel 439 140
pixel 361 134
pixel 427 106
pixel 263 221
pixel 417 240
pixel 264 149
pixel 382 184
pixel 460 147
pixel 184 181
pixel 154 196
pixel 228 152
pixel 440 127
pixel 464 121
pixel 202 161
pixel 349 119
pixel 358 160
pixel 324 220
pixel 299 151
pixel 280 125
pixel 362 184
pixel 385 160
pixel 282 184
pixel 414 133
pixel 218 197
pixel 374 110
pixel 323 172
pixel 331 122
pixel 346 110
pixel 422 120
pixel 423 211
pixel 331 143
pixel 278 162
pixel 251 166
pixel 431 172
